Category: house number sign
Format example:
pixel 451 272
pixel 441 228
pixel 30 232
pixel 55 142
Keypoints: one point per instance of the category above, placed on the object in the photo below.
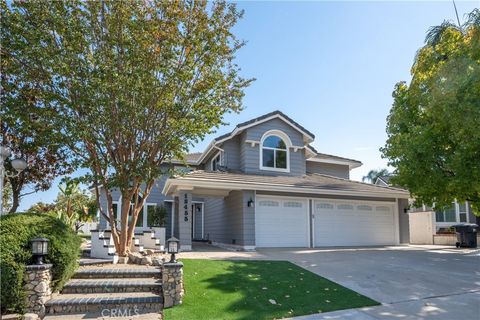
pixel 185 207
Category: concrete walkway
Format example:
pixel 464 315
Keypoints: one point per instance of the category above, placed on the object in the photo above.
pixel 411 282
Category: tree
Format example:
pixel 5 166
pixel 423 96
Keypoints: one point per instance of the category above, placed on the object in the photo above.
pixel 131 84
pixel 7 196
pixel 373 175
pixel 433 126
pixel 26 127
pixel 73 205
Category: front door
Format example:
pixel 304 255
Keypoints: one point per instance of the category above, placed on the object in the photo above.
pixel 197 221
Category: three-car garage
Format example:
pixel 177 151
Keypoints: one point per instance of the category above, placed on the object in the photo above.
pixel 303 222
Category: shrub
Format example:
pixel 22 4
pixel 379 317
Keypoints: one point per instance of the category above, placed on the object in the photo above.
pixel 16 231
pixel 157 217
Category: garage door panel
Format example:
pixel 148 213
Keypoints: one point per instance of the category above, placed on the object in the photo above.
pixel 281 222
pixel 353 224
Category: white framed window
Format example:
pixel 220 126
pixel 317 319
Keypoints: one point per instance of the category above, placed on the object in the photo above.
pixel 447 214
pixel 364 208
pixel 268 203
pixel 456 212
pixel 292 204
pixel 463 212
pixel 216 162
pixel 344 207
pixel 275 151
pixel 324 205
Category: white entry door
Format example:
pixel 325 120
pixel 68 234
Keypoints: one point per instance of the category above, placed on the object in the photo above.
pixel 281 222
pixel 344 223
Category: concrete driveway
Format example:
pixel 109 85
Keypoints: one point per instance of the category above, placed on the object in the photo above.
pixel 411 282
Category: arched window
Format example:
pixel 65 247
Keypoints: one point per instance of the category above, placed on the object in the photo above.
pixel 275 152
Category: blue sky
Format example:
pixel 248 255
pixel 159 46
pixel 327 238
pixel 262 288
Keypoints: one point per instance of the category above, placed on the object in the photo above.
pixel 331 66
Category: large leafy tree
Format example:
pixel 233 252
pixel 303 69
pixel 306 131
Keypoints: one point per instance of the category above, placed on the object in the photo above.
pixel 132 84
pixel 26 127
pixel 433 126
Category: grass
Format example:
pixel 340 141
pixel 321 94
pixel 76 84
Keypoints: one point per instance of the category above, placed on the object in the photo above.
pixel 243 289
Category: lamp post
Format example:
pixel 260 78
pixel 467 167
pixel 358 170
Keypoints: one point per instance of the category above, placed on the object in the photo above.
pixel 18 164
pixel 172 248
pixel 39 249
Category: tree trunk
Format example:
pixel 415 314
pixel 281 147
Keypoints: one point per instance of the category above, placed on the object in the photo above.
pixel 15 196
pixel 123 249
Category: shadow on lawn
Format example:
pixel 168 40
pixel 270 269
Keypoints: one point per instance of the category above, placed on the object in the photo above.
pixel 293 291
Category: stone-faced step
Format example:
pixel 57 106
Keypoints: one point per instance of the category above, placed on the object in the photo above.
pixel 113 285
pixel 125 303
pixel 101 273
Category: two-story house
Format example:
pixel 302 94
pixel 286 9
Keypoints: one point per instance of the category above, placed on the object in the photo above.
pixel 264 185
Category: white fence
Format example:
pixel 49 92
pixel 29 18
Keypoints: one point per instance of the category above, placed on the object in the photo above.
pixel 422 227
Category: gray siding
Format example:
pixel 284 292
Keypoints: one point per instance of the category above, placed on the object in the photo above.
pixel 228 220
pixel 156 197
pixel 250 156
pixel 232 153
pixel 336 170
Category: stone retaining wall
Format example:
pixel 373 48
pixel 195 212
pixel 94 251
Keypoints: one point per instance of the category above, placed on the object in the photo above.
pixel 172 284
pixel 37 287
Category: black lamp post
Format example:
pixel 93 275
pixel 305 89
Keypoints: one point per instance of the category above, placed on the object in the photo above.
pixel 39 248
pixel 173 245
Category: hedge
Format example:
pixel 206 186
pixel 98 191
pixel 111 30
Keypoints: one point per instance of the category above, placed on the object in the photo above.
pixel 16 231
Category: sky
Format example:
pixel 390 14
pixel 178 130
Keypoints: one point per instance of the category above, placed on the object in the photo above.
pixel 330 66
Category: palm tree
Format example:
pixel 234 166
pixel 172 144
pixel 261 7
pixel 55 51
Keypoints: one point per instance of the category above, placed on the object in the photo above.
pixel 435 33
pixel 373 175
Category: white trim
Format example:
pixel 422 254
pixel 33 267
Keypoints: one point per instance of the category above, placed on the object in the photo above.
pixel 288 144
pixel 262 186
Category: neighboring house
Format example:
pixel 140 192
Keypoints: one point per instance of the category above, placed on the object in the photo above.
pixel 264 185
pixel 445 218
pixel 383 181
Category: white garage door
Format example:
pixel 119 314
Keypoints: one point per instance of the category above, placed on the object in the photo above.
pixel 353 224
pixel 281 222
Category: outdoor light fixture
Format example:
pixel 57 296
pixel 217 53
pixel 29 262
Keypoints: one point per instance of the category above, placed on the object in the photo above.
pixel 173 245
pixel 18 164
pixel 250 203
pixel 39 248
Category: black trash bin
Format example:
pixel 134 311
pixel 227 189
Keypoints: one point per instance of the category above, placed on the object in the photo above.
pixel 466 235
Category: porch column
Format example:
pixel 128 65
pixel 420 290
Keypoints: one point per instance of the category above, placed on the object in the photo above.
pixel 185 220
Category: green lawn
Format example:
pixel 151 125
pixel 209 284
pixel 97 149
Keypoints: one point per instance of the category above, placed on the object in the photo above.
pixel 242 290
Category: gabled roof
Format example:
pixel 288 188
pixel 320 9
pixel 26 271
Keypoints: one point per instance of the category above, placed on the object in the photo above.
pixel 328 158
pixel 264 118
pixel 309 183
pixel 253 122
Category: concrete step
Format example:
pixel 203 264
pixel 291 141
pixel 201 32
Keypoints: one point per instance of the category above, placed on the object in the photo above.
pixel 93 261
pixel 113 285
pixel 133 272
pixel 125 302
